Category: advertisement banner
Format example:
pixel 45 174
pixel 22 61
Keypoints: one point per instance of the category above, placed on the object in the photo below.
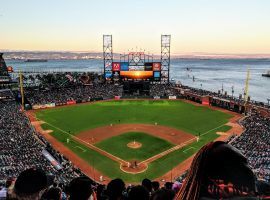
pixel 4 79
pixel 148 66
pixel 136 68
pixel 156 74
pixel 156 66
pixel 156 97
pixel 124 66
pixel 108 75
pixel 51 159
pixel 117 97
pixel 71 102
pixel 10 69
pixel 35 107
pixel 116 66
pixel 205 100
pixel 48 105
pixel 172 97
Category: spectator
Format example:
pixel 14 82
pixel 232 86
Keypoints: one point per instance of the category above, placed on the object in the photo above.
pixel 155 185
pixel 147 184
pixel 30 184
pixel 80 188
pixel 218 171
pixel 162 194
pixel 53 193
pixel 115 189
pixel 138 192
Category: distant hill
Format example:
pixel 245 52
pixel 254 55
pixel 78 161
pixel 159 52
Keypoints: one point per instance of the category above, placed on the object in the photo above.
pixel 65 55
pixel 47 55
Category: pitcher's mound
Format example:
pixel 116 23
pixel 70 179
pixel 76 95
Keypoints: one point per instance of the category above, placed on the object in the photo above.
pixel 134 145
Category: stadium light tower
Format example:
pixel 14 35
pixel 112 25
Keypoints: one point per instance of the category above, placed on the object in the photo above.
pixel 107 56
pixel 165 58
pixel 246 87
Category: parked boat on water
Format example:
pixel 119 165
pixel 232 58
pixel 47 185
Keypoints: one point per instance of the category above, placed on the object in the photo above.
pixel 267 74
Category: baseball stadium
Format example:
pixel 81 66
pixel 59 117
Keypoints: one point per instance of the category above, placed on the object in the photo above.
pixel 130 125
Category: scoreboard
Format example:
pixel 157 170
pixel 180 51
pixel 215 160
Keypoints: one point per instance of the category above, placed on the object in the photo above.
pixel 135 66
pixel 146 71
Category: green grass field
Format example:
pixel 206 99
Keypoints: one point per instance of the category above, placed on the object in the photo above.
pixel 151 146
pixel 176 114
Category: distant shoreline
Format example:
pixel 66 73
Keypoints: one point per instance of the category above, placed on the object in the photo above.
pixel 69 55
pixel 176 58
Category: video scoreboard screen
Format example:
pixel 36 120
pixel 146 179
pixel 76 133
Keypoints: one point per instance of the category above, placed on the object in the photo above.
pixel 150 70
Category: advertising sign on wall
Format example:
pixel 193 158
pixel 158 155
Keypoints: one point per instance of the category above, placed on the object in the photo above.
pixel 172 97
pixel 156 74
pixel 116 66
pixel 124 66
pixel 156 66
pixel 108 75
pixel 136 68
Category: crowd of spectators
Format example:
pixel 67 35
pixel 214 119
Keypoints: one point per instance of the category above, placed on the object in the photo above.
pixel 254 143
pixel 224 95
pixel 6 94
pixel 76 93
pixel 34 184
pixel 88 92
pixel 163 90
pixel 21 147
pixel 211 176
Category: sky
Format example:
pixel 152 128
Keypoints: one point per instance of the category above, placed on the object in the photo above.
pixel 209 26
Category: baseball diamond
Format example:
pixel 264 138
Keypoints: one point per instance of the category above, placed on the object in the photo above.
pixel 99 134
pixel 85 116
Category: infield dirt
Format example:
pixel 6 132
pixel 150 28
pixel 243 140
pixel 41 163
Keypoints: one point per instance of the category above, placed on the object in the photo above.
pixel 98 134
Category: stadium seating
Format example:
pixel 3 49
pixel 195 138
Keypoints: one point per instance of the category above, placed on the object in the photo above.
pixel 21 148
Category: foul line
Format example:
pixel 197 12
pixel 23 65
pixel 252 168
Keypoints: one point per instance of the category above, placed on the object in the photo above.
pixel 149 160
pixel 80 148
pixel 188 149
pixel 157 156
pixel 105 153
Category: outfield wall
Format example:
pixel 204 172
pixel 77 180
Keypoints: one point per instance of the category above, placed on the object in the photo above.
pixel 72 102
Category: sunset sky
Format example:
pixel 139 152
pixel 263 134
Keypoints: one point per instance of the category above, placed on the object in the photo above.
pixel 210 26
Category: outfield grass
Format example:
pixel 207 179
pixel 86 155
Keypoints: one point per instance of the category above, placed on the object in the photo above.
pixel 151 146
pixel 177 114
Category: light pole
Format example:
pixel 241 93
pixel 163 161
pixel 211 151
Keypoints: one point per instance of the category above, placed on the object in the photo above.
pixel 268 106
pixel 222 89
pixel 232 91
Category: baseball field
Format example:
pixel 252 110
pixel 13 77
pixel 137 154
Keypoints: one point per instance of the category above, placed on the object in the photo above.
pixel 134 139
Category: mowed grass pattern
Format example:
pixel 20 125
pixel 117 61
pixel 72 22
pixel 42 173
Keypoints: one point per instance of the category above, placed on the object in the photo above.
pixel 184 116
pixel 151 146
pixel 177 114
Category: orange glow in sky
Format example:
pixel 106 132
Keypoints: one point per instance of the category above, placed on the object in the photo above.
pixel 226 26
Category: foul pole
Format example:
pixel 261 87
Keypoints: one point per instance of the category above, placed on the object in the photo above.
pixel 246 87
pixel 21 88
